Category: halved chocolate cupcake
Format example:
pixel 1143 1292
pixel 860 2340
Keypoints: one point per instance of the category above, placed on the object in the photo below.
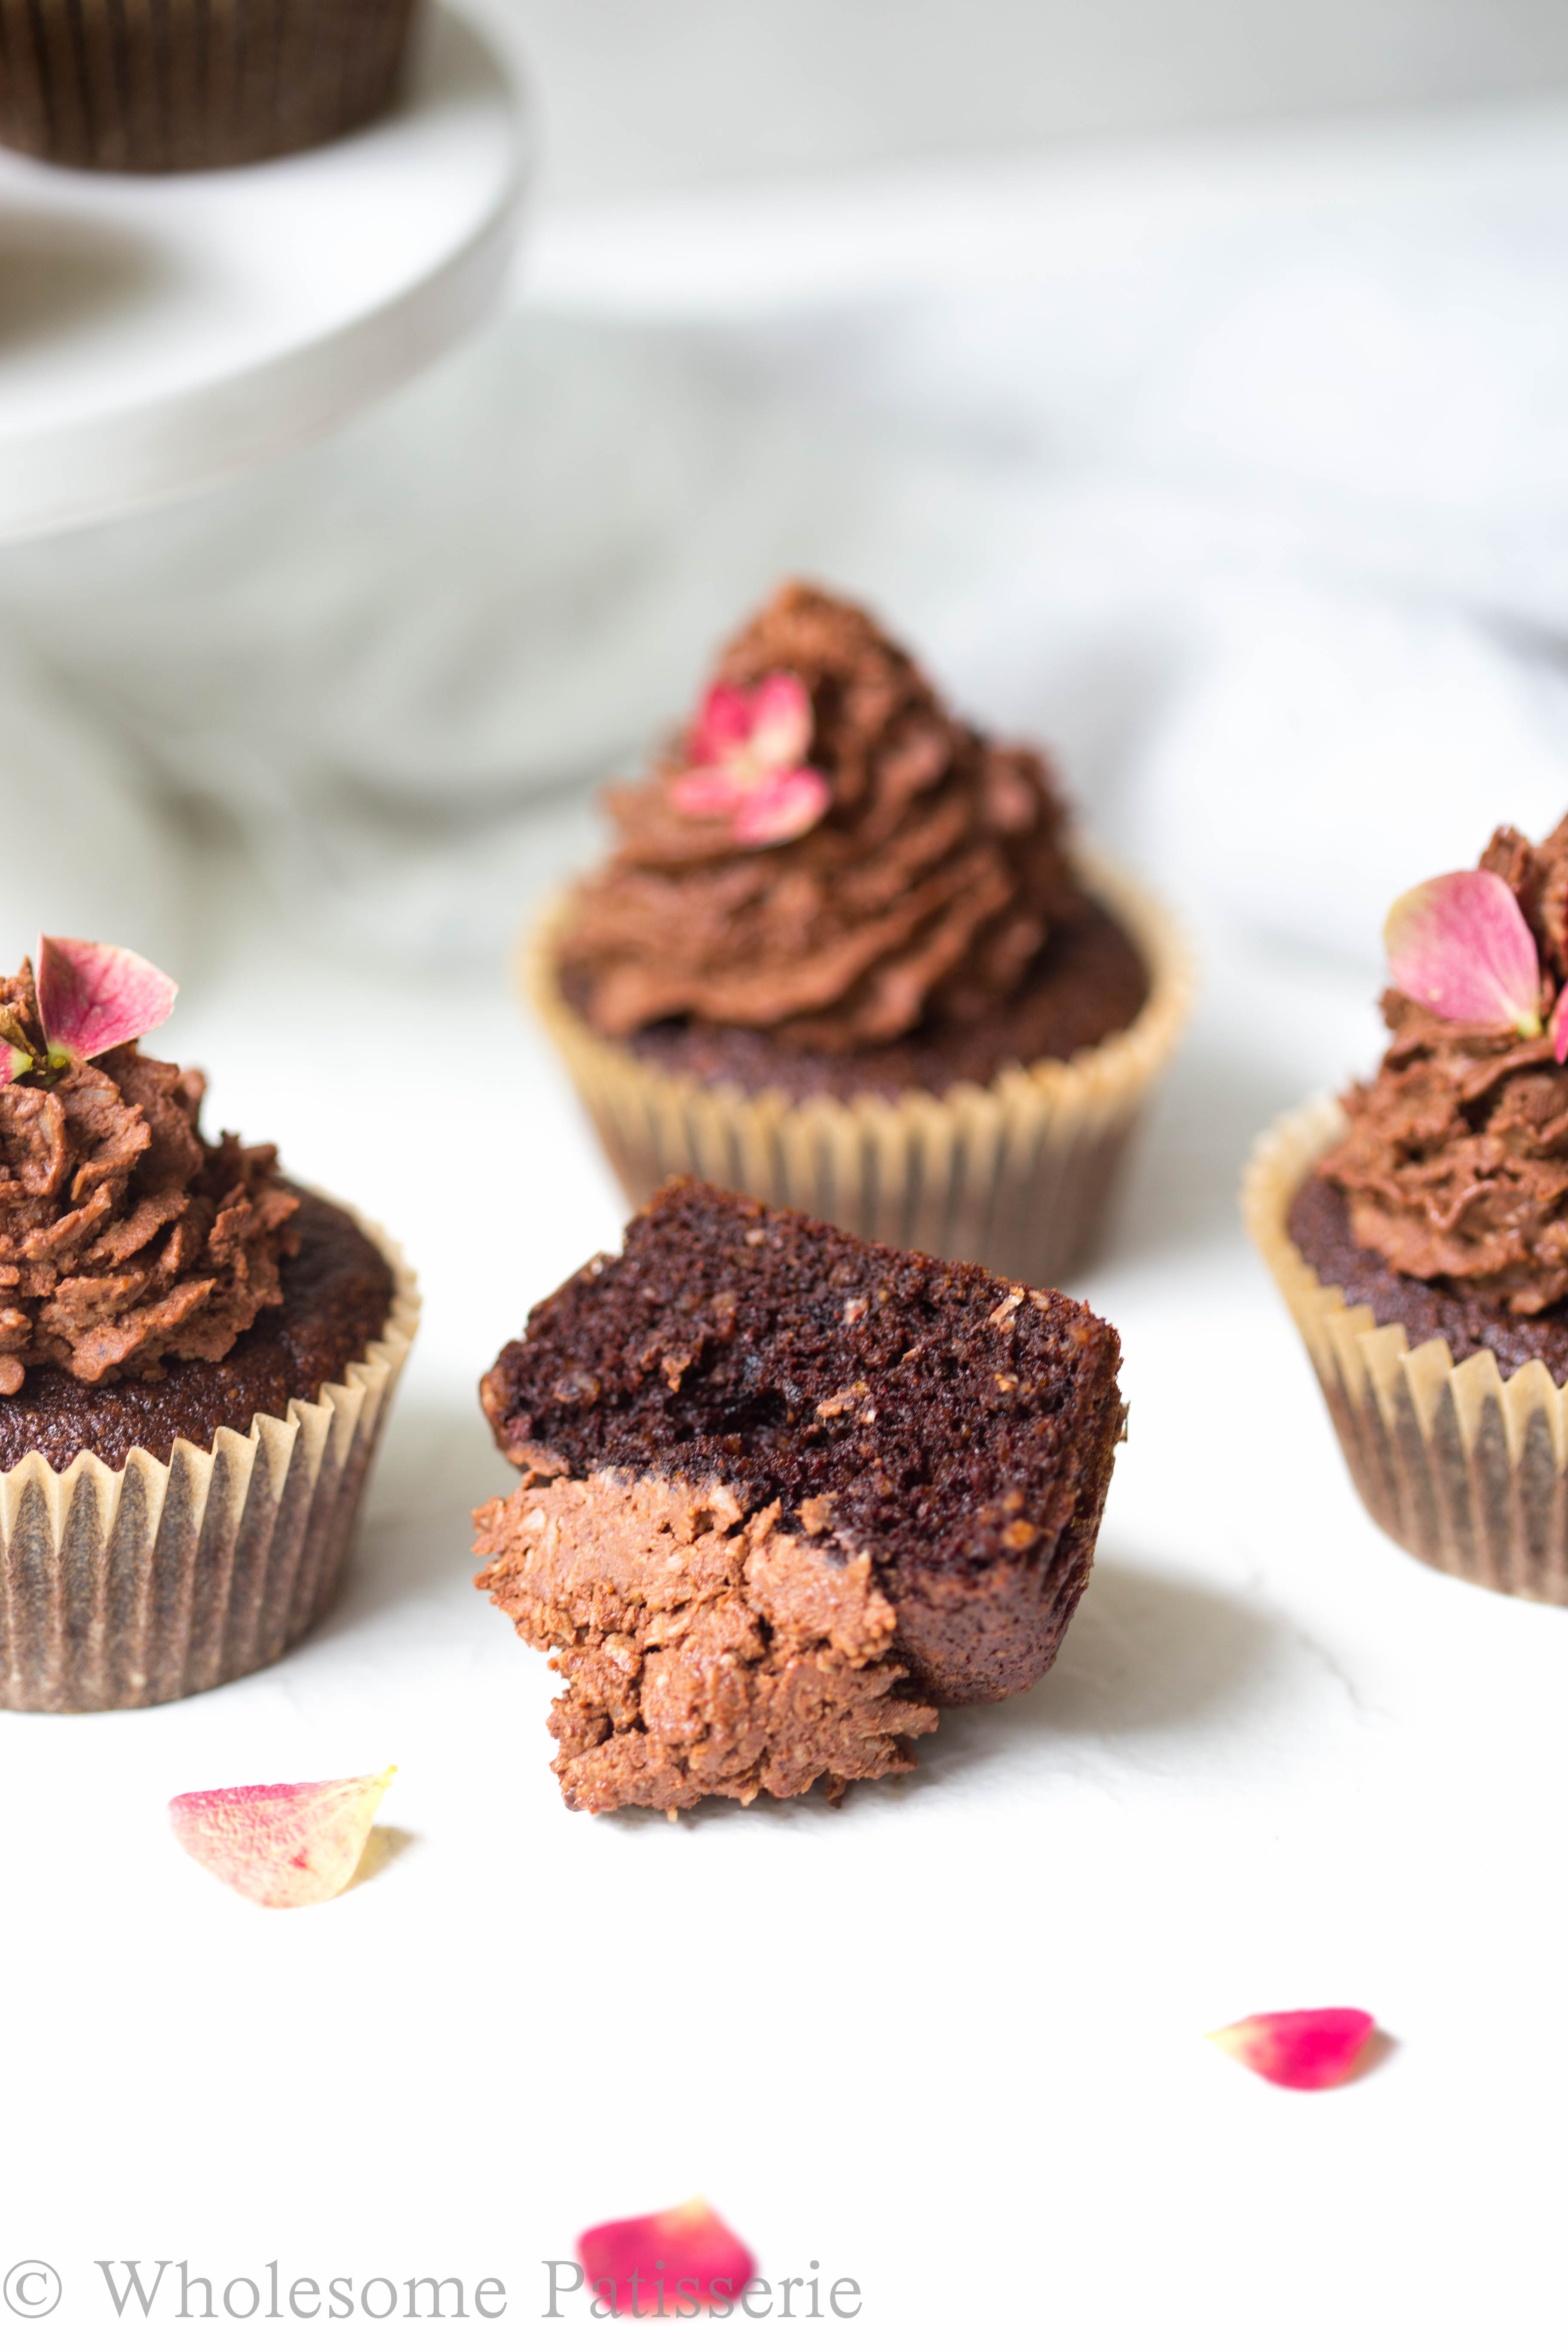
pixel 195 1358
pixel 784 1493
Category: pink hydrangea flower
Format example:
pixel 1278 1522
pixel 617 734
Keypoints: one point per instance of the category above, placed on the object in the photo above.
pixel 747 749
pixel 90 997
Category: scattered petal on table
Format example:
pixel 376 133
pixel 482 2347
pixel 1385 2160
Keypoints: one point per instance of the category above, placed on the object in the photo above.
pixel 1302 2048
pixel 665 2263
pixel 284 1845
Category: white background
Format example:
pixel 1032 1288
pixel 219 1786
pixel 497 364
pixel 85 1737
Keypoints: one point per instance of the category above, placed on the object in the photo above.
pixel 1235 467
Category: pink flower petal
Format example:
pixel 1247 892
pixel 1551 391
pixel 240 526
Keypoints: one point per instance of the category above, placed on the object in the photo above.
pixel 284 1845
pixel 707 792
pixel 640 2267
pixel 1302 2048
pixel 1560 1028
pixel 781 808
pixel 722 726
pixel 782 722
pixel 767 726
pixel 14 1061
pixel 1460 946
pixel 92 997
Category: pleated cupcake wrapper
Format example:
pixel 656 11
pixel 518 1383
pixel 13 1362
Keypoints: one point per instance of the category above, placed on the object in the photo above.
pixel 188 85
pixel 1465 1469
pixel 123 1588
pixel 1016 1176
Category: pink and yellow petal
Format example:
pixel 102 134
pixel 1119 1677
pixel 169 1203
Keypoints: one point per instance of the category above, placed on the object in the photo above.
pixel 706 791
pixel 781 808
pixel 1559 1030
pixel 92 996
pixel 782 722
pixel 722 727
pixel 1459 945
pixel 688 2250
pixel 285 1844
pixel 1300 2049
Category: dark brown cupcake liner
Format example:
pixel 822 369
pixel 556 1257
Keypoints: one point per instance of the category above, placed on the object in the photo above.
pixel 1016 1176
pixel 1466 1470
pixel 191 85
pixel 124 1588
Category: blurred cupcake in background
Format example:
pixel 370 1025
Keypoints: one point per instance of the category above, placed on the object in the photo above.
pixel 1419 1228
pixel 844 958
pixel 191 85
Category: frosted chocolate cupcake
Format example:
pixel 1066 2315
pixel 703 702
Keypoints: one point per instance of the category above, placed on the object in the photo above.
pixel 844 958
pixel 190 85
pixel 195 1359
pixel 1419 1228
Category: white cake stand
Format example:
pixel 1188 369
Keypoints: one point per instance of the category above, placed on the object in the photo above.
pixel 159 333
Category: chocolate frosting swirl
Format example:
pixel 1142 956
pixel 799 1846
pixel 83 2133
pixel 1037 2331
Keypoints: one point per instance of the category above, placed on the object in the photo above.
pixel 124 1236
pixel 926 890
pixel 1455 1162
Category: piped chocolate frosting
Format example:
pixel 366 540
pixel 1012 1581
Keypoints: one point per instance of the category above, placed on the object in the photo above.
pixel 1454 1165
pixel 125 1237
pixel 925 891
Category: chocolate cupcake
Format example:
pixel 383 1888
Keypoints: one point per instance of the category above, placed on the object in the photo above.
pixel 1419 1228
pixel 196 1357
pixel 190 85
pixel 785 1493
pixel 844 958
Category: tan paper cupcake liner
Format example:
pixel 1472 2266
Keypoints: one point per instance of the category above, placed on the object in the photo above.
pixel 124 1588
pixel 1016 1176
pixel 190 85
pixel 1466 1470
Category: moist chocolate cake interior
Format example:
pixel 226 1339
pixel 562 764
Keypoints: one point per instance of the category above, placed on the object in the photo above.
pixel 960 1428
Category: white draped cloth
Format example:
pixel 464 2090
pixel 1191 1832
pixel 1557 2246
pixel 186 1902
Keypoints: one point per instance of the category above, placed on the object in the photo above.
pixel 1238 472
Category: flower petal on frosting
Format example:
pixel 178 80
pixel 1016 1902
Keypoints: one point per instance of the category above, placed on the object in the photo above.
pixel 14 1060
pixel 781 808
pixel 283 1844
pixel 1560 1028
pixel 1302 2048
pixel 782 722
pixel 722 725
pixel 766 726
pixel 1459 946
pixel 92 996
pixel 689 2251
pixel 706 791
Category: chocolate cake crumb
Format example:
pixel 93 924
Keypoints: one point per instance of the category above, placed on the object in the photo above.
pixel 786 1491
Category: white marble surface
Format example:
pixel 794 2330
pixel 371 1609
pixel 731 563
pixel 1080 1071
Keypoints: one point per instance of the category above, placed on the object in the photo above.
pixel 948 2040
